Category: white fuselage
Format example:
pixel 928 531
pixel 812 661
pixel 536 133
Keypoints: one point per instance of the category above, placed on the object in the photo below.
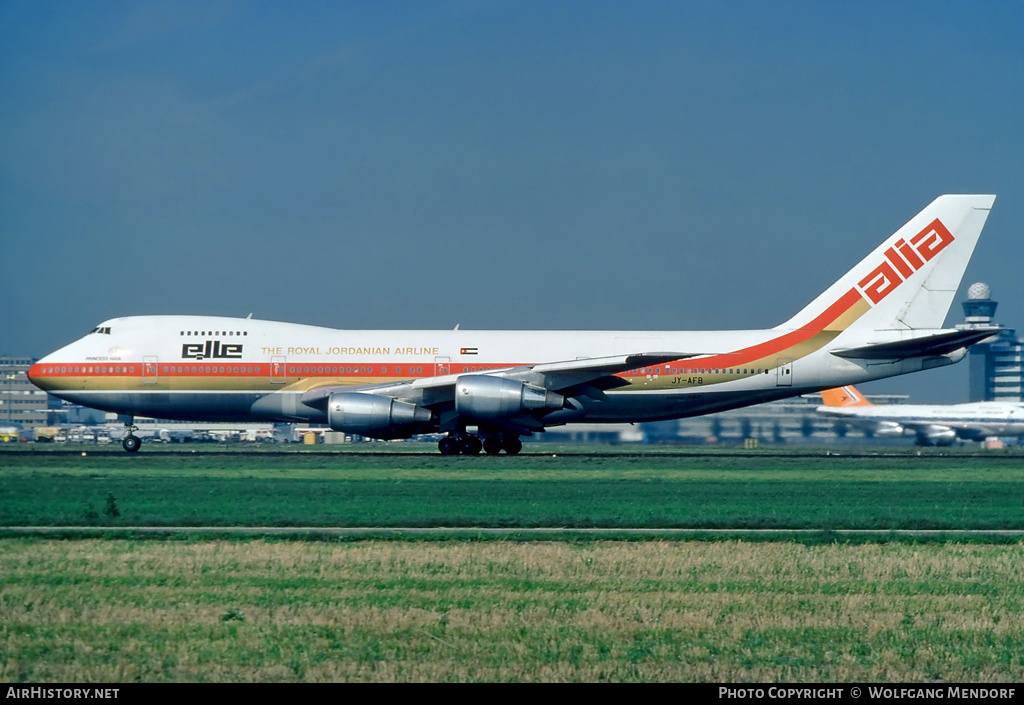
pixel 975 420
pixel 199 368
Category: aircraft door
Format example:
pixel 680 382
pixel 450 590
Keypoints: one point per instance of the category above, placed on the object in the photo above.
pixel 278 371
pixel 442 366
pixel 149 369
pixel 784 367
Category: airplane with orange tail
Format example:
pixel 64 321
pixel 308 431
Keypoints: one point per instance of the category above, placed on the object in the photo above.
pixel 485 389
pixel 931 424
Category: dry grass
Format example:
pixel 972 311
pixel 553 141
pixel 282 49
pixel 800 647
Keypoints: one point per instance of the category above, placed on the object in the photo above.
pixel 78 611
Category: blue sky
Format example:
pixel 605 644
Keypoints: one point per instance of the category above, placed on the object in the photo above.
pixel 646 165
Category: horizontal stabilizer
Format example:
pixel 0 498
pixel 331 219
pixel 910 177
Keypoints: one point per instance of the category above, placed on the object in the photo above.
pixel 939 343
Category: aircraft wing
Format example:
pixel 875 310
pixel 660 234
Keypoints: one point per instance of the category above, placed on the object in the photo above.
pixel 948 428
pixel 562 376
pixel 877 427
pixel 933 433
pixel 895 424
pixel 588 376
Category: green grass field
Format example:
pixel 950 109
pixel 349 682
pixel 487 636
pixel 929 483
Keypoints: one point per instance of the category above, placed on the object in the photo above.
pixel 186 608
pixel 120 611
pixel 752 490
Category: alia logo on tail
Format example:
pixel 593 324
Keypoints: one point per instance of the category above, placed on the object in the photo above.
pixel 905 258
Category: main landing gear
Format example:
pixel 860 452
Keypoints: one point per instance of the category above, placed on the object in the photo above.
pixel 470 444
pixel 131 442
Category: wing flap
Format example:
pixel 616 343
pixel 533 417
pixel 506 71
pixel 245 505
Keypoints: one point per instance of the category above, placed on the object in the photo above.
pixel 559 376
pixel 613 364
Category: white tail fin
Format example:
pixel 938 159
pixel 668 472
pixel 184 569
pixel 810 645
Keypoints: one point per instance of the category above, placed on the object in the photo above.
pixel 909 281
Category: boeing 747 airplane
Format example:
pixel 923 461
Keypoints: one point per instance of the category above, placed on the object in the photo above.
pixel 932 424
pixel 486 389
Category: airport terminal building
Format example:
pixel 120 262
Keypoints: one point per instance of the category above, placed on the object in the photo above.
pixel 22 404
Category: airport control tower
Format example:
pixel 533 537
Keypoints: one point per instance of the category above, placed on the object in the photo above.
pixel 995 363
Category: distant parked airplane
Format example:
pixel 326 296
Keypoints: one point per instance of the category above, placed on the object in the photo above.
pixel 932 424
pixel 485 389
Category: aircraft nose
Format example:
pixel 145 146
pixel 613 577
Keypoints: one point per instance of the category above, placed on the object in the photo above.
pixel 36 373
pixel 42 372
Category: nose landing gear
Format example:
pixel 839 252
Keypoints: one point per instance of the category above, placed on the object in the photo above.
pixel 131 443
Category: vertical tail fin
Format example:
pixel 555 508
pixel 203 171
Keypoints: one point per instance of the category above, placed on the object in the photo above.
pixel 909 281
pixel 844 396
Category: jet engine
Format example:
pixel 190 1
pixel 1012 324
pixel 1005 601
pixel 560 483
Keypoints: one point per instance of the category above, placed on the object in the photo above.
pixel 375 416
pixel 888 429
pixel 486 398
pixel 938 436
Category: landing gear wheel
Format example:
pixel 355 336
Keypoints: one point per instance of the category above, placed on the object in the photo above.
pixel 512 445
pixel 131 443
pixel 492 446
pixel 448 446
pixel 471 445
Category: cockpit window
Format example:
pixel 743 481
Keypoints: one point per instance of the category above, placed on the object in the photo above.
pixel 103 330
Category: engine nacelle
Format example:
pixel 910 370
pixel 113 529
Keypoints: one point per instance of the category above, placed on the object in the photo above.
pixel 888 429
pixel 485 398
pixel 939 435
pixel 374 416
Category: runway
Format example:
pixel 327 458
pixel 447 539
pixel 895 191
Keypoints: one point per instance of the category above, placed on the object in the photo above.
pixel 490 532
